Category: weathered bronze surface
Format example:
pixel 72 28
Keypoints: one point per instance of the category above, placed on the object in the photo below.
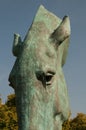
pixel 37 76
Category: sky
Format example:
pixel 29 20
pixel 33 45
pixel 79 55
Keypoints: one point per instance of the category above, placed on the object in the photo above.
pixel 16 17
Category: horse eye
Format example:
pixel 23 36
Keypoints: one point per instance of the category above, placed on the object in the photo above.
pixel 48 78
pixel 39 75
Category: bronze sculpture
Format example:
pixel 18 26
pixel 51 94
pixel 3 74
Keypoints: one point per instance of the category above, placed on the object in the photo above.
pixel 37 77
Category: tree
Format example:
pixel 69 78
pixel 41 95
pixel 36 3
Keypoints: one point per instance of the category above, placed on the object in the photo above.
pixel 8 116
pixel 79 122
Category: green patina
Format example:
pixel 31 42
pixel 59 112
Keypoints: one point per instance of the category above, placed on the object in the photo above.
pixel 37 77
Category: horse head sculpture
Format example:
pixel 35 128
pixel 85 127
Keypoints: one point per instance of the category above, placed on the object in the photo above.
pixel 37 77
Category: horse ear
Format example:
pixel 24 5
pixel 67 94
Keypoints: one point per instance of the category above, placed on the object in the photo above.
pixel 62 32
pixel 64 50
pixel 61 36
pixel 16 44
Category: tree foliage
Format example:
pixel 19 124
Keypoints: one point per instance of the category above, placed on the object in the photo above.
pixel 8 117
pixel 79 122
